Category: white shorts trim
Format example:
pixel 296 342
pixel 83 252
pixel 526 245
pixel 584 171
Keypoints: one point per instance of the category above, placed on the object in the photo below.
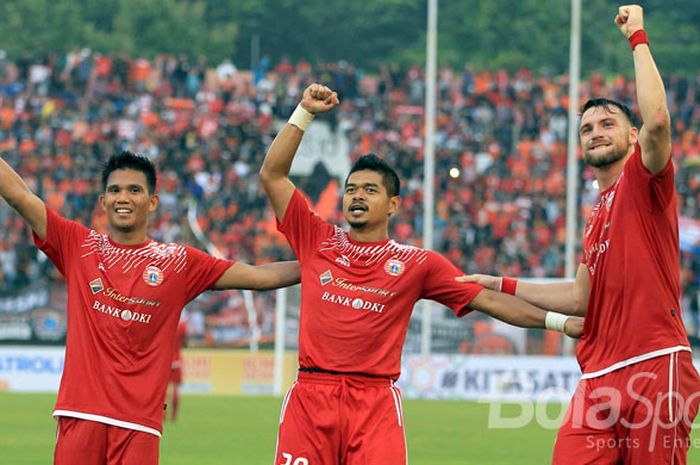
pixel 397 403
pixel 106 420
pixel 637 359
pixel 286 401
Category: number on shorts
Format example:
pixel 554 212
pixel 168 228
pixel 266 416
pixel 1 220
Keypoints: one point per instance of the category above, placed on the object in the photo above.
pixel 289 460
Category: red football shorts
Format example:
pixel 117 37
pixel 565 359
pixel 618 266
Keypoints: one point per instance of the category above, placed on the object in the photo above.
pixel 85 442
pixel 641 414
pixel 330 419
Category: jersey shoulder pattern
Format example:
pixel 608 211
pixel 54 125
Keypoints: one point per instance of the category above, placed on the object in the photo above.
pixel 368 255
pixel 163 255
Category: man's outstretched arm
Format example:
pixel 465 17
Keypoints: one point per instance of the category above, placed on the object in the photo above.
pixel 655 134
pixel 569 297
pixel 260 277
pixel 274 172
pixel 517 312
pixel 15 191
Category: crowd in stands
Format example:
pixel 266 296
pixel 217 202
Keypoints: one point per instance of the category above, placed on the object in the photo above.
pixel 501 152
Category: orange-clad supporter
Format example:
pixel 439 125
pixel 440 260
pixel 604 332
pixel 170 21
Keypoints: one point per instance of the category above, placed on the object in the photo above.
pixel 27 146
pixel 150 119
pixel 7 117
pixel 140 70
pixel 55 200
pixel 64 139
pixel 103 66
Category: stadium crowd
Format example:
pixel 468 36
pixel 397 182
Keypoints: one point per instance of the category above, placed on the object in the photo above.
pixel 500 154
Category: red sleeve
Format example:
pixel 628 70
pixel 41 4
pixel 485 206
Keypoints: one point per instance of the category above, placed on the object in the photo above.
pixel 62 239
pixel 657 189
pixel 203 271
pixel 302 227
pixel 440 285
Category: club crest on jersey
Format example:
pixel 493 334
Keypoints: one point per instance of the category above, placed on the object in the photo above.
pixel 153 275
pixel 326 277
pixel 96 285
pixel 394 267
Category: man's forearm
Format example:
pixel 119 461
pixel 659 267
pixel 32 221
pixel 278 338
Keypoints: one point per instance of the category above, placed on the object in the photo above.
pixel 517 312
pixel 651 94
pixel 278 161
pixel 16 192
pixel 509 309
pixel 280 274
pixel 12 187
pixel 558 297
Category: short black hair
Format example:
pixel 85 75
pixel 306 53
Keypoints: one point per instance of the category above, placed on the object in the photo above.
pixel 372 162
pixel 606 103
pixel 129 160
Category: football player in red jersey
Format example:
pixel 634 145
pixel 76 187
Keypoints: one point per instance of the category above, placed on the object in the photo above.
pixel 638 396
pixel 358 291
pixel 125 296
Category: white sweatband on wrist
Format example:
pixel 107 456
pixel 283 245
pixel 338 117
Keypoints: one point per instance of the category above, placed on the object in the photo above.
pixel 555 321
pixel 301 118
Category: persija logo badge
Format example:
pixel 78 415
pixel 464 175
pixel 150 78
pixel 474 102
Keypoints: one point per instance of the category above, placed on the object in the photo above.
pixel 394 267
pixel 153 275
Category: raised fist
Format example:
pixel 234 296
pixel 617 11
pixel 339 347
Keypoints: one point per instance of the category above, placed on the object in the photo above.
pixel 319 99
pixel 629 19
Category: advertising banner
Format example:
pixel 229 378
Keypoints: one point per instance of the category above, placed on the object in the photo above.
pixel 233 372
pixel 487 378
pixel 30 369
pixel 34 315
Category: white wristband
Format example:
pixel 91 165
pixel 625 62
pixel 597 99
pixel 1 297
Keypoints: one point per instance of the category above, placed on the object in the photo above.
pixel 301 118
pixel 555 321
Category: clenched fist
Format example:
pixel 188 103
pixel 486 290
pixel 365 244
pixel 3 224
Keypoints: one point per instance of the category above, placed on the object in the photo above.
pixel 630 18
pixel 319 99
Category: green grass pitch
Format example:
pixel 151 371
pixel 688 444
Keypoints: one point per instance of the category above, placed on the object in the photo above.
pixel 217 430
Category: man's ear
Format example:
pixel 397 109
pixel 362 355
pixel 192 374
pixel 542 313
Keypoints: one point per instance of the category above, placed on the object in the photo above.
pixel 153 203
pixel 394 204
pixel 633 135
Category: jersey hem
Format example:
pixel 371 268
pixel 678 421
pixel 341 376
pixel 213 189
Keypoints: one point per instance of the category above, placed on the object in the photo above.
pixel 636 359
pixel 106 420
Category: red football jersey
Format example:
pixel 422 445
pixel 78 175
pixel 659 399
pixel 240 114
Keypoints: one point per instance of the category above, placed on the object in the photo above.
pixel 124 304
pixel 632 254
pixel 357 297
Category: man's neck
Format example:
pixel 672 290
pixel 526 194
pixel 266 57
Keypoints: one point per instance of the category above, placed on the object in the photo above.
pixel 128 238
pixel 367 235
pixel 608 175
